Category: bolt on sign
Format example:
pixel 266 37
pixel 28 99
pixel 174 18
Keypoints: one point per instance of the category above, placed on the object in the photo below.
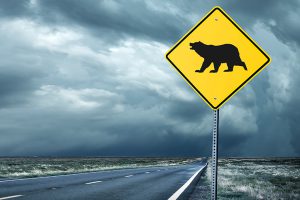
pixel 217 58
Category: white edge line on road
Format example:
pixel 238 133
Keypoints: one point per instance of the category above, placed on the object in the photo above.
pixel 183 188
pixel 128 176
pixel 89 183
pixel 11 197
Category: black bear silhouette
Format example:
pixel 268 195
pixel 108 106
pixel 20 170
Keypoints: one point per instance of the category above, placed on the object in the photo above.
pixel 226 53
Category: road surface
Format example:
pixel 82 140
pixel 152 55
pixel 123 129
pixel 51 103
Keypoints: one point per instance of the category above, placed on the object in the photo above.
pixel 131 184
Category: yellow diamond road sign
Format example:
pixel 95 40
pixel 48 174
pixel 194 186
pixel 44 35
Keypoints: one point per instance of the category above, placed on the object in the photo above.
pixel 217 58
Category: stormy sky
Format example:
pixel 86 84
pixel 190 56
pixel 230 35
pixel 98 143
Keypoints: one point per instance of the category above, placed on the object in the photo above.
pixel 89 78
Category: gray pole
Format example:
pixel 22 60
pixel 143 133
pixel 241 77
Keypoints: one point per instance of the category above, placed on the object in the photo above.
pixel 214 160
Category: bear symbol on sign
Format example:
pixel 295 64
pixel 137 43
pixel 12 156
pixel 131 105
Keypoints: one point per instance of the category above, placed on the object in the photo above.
pixel 226 53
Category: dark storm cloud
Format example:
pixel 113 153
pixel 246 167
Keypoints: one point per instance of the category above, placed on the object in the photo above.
pixel 13 89
pixel 112 20
pixel 89 78
pixel 112 135
pixel 187 112
pixel 291 111
pixel 163 21
pixel 281 17
pixel 168 21
pixel 130 18
pixel 14 8
pixel 167 145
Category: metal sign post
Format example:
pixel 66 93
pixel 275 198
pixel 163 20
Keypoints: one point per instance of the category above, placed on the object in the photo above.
pixel 214 160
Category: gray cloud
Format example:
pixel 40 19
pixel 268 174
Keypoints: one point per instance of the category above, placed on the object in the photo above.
pixel 90 78
pixel 279 16
pixel 15 8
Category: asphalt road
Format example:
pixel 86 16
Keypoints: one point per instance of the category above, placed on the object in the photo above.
pixel 131 184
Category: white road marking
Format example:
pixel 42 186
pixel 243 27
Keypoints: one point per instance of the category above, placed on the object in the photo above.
pixel 89 183
pixel 11 197
pixel 147 172
pixel 128 176
pixel 183 188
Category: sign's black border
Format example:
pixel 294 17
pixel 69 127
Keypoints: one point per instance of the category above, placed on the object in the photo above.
pixel 243 84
